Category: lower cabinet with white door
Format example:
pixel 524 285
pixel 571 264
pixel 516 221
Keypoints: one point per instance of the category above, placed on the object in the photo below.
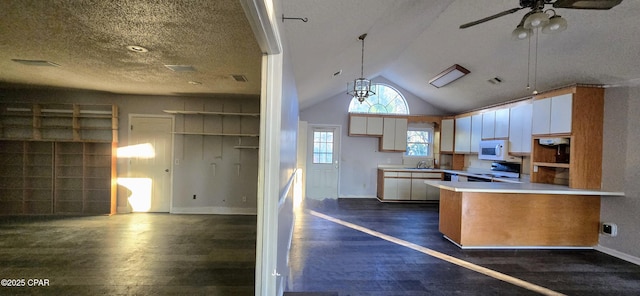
pixel 407 185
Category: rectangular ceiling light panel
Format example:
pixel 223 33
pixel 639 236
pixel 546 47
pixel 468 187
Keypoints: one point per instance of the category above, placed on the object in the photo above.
pixel 181 68
pixel 36 63
pixel 449 75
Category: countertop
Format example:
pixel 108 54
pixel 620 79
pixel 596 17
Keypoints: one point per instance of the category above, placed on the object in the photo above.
pixel 461 173
pixel 531 188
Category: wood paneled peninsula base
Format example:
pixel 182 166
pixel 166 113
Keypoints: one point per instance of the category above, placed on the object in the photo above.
pixel 501 215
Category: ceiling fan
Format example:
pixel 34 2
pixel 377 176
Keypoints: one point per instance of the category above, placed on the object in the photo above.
pixel 537 7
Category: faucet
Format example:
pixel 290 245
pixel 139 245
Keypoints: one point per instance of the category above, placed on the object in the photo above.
pixel 421 164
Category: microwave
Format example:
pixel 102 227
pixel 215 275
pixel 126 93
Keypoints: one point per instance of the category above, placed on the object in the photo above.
pixel 495 150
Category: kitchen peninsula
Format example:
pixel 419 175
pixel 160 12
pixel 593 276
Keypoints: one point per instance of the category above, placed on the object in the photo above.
pixel 559 206
pixel 494 215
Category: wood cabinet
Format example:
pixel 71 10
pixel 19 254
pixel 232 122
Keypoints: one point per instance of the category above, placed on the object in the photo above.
pixel 365 125
pixel 447 127
pixel 463 134
pixel 520 129
pixel 552 115
pixel 584 167
pixel 407 186
pixel 394 134
pixel 476 132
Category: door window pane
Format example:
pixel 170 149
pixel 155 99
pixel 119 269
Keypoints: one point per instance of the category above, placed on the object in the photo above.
pixel 323 147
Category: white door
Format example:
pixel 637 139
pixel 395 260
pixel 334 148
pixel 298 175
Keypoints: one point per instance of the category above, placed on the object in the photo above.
pixel 154 132
pixel 323 161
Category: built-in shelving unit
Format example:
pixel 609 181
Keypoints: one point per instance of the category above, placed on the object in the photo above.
pixel 579 113
pixel 57 158
pixel 218 123
pixel 210 113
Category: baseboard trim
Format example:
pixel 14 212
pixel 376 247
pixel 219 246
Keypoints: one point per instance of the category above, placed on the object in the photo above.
pixel 618 254
pixel 214 210
pixel 355 196
pixel 123 210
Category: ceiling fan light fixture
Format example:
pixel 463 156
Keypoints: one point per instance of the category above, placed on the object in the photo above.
pixel 556 24
pixel 536 20
pixel 520 33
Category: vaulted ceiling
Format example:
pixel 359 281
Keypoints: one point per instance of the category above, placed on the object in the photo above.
pixel 411 41
pixel 408 43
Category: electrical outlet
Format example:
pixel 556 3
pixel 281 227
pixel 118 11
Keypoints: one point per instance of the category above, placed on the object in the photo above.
pixel 194 196
pixel 610 229
pixel 244 199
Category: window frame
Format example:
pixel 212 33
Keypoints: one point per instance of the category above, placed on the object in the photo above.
pixel 430 144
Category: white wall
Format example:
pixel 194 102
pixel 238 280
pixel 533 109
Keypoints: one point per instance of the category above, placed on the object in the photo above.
pixel 359 155
pixel 621 170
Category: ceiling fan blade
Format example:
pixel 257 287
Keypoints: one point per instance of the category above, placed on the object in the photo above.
pixel 586 4
pixel 486 19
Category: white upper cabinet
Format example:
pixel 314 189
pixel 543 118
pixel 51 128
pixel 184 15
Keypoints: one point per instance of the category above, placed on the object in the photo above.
pixel 541 116
pixel 561 114
pixel 476 132
pixel 495 124
pixel 446 135
pixel 365 125
pixel 357 125
pixel 502 123
pixel 488 125
pixel 520 129
pixel 463 135
pixel 394 134
pixel 552 115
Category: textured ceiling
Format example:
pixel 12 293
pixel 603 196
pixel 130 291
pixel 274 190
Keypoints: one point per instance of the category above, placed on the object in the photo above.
pixel 88 40
pixel 411 41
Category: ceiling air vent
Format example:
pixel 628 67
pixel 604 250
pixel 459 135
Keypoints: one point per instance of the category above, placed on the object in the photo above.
pixel 36 63
pixel 495 80
pixel 181 68
pixel 239 78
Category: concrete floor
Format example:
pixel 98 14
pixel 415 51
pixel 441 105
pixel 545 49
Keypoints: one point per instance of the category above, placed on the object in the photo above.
pixel 130 254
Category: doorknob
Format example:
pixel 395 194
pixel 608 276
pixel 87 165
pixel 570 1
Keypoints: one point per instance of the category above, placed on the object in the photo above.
pixel 166 170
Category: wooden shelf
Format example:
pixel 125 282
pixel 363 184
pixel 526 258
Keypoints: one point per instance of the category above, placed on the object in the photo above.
pixel 185 112
pixel 58 122
pixel 215 134
pixel 552 164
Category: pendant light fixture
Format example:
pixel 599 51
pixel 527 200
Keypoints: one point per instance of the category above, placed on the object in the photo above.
pixel 361 88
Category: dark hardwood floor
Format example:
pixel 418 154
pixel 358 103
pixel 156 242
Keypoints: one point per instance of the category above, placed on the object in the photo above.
pixel 329 257
pixel 130 254
pixel 162 254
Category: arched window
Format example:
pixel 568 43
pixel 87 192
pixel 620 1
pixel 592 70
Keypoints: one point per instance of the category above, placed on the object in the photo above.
pixel 387 100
